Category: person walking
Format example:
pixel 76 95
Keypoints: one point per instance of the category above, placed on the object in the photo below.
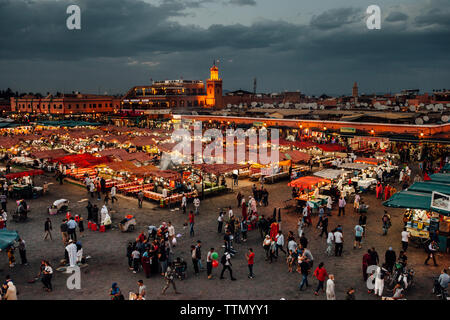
pixel 226 263
pixel 169 277
pixel 71 227
pixel 330 288
pixel 64 233
pixel 220 222
pixel 198 252
pixel 113 194
pixel 140 199
pixel 324 226
pixel 431 250
pixel 23 251
pixel 338 242
pixel 266 246
pixel 330 240
pixel 48 229
pixel 197 205
pixel 47 275
pixel 250 256
pixel 136 256
pixel 184 203
pixel 358 236
pixel 194 259
pixel 342 205
pixel 365 264
pixel 321 215
pixel 362 221
pixel 379 275
pixel 209 261
pixel 405 239
pixel 390 259
pixel 304 270
pixel 191 223
pixel 280 243
pixel 386 222
pixel 320 273
pixel 356 203
pixel 239 198
pixel 3 201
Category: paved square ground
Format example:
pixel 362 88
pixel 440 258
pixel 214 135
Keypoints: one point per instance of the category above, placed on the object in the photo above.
pixel 109 263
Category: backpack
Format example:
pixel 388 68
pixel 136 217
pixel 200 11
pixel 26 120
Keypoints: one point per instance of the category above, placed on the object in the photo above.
pixel 223 260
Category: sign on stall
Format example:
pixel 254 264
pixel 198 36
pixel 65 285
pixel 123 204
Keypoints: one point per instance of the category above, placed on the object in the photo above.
pixel 347 130
pixel 440 201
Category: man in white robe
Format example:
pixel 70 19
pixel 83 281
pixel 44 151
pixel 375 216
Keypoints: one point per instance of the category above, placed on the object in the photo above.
pixel 71 249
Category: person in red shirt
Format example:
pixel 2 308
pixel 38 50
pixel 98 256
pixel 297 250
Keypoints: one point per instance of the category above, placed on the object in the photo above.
pixel 321 274
pixel 250 261
pixel 191 223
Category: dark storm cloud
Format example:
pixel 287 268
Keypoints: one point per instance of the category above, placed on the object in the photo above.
pixel 396 16
pixel 434 16
pixel 336 18
pixel 125 42
pixel 243 2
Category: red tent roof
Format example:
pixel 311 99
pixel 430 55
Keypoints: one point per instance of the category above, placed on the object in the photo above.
pixel 24 174
pixel 307 182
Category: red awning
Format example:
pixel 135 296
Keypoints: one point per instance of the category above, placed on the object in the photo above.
pixel 24 174
pixel 307 182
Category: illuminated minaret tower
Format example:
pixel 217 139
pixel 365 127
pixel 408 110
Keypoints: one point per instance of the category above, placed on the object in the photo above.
pixel 214 89
pixel 355 90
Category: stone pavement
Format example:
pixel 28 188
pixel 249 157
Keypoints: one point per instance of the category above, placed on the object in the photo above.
pixel 109 263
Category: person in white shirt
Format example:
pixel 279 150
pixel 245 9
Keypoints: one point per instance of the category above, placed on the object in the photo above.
pixel 280 243
pixel 184 203
pixel 342 205
pixel 405 239
pixel 329 205
pixel 171 231
pixel 230 213
pixel 220 222
pixel 164 192
pixel 339 243
pixel 330 240
pixel 113 193
pixel 379 280
pixel 292 245
pixel 92 189
pixel 196 205
pixel 330 288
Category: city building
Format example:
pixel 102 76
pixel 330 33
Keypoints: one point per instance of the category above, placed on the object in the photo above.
pixel 161 96
pixel 75 103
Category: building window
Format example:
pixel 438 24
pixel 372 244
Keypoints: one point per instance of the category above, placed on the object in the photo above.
pixel 99 105
pixel 78 106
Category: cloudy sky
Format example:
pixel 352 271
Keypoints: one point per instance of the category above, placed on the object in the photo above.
pixel 315 46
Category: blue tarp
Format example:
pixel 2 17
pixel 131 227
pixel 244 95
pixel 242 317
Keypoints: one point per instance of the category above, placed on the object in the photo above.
pixel 412 200
pixel 7 237
pixel 440 177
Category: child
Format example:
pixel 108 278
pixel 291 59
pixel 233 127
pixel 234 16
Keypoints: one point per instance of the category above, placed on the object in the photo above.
pixel 289 261
pixel 11 258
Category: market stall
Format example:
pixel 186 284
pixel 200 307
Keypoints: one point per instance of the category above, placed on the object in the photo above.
pixel 308 191
pixel 423 215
